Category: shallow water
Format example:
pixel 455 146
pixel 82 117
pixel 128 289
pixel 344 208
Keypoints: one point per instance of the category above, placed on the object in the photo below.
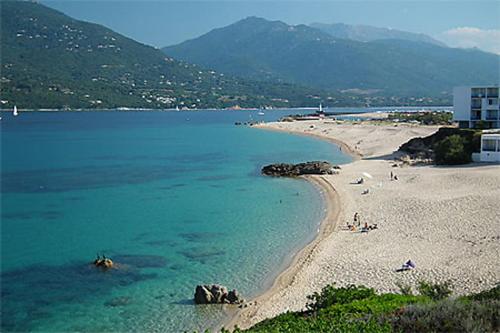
pixel 176 198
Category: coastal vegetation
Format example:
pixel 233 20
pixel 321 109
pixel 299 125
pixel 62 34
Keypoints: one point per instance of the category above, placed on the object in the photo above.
pixel 360 309
pixel 426 117
pixel 448 146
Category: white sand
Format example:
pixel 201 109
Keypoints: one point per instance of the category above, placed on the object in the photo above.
pixel 446 219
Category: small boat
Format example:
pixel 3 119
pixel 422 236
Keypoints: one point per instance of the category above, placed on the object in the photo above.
pixel 177 108
pixel 260 113
pixel 15 113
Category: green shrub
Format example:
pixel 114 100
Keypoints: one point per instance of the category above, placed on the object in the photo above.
pixel 448 316
pixel 436 291
pixel 404 289
pixel 358 309
pixel 452 150
pixel 331 295
pixel 492 294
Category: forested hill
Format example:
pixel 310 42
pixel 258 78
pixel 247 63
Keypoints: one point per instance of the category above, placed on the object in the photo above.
pixel 259 49
pixel 50 60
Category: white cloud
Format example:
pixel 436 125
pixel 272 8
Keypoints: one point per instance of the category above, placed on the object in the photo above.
pixel 468 37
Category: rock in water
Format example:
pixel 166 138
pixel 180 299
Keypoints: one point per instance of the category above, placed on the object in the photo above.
pixel 216 294
pixel 295 170
pixel 203 295
pixel 103 263
pixel 233 297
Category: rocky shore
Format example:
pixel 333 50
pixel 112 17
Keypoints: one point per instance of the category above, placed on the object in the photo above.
pixel 295 170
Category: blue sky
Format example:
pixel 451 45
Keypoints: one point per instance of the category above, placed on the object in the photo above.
pixel 465 23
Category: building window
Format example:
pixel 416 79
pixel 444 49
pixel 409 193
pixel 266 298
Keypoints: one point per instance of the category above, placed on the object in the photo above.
pixel 476 103
pixel 478 92
pixel 492 92
pixel 489 144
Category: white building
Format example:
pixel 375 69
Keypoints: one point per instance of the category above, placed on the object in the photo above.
pixel 490 148
pixel 474 106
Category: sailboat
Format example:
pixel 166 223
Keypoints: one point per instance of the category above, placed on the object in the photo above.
pixel 15 113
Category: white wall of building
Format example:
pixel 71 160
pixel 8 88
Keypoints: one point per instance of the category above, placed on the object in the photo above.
pixel 461 103
pixel 490 156
pixel 472 104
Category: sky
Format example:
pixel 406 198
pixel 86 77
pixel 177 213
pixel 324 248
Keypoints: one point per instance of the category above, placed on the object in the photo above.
pixel 459 23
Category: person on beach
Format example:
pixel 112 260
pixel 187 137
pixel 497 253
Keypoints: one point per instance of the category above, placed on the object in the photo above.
pixel 392 176
pixel 395 177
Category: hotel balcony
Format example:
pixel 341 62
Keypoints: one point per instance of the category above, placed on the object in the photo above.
pixel 492 92
pixel 492 116
pixel 478 92
pixel 476 103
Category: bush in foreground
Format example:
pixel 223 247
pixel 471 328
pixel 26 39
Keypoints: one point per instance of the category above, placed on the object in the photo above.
pixel 452 150
pixel 360 309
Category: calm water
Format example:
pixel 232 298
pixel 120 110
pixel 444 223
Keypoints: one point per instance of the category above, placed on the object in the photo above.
pixel 175 197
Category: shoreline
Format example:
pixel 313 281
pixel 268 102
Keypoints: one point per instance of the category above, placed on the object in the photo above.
pixel 435 199
pixel 301 258
pixel 332 201
pixel 347 149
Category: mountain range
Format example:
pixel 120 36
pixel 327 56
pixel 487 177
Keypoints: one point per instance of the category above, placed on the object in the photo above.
pixel 366 33
pixel 259 49
pixel 50 60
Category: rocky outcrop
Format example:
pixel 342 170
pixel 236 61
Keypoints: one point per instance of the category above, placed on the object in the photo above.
pixel 103 263
pixel 216 294
pixel 295 170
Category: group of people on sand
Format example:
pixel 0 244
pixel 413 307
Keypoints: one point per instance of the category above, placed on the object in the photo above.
pixel 408 265
pixel 357 225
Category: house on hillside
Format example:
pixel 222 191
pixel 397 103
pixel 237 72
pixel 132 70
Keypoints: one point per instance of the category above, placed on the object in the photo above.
pixel 476 107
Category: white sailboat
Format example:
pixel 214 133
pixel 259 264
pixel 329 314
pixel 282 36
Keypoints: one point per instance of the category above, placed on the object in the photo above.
pixel 15 113
pixel 320 108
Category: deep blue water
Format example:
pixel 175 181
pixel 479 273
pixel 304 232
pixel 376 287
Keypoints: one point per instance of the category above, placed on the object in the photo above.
pixel 175 198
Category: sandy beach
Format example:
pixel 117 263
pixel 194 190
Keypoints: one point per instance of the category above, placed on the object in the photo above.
pixel 445 219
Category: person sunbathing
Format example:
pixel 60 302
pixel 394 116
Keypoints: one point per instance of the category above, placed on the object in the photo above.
pixel 408 265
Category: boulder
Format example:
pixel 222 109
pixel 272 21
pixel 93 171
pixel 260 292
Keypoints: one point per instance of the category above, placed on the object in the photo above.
pixel 295 170
pixel 103 263
pixel 233 297
pixel 216 294
pixel 203 295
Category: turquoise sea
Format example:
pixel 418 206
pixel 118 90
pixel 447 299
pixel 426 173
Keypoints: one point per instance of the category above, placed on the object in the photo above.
pixel 175 198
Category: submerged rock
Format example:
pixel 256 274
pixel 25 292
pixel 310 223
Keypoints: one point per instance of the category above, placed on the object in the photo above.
pixel 103 263
pixel 216 294
pixel 118 301
pixel 295 170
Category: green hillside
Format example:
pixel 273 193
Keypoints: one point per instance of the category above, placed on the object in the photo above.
pixel 259 49
pixel 50 60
